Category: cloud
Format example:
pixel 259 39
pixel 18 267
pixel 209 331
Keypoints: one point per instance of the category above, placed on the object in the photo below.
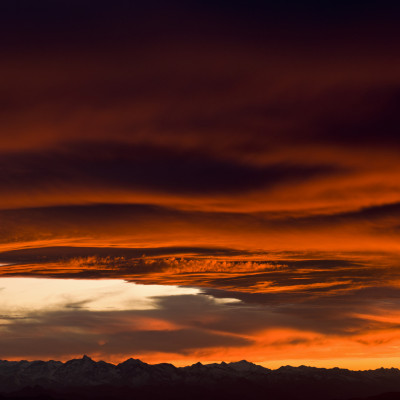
pixel 249 150
pixel 255 278
pixel 190 326
pixel 103 255
pixel 227 128
pixel 151 226
pixel 127 332
pixel 120 166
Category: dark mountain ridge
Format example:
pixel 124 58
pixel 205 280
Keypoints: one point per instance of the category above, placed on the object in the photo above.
pixel 88 379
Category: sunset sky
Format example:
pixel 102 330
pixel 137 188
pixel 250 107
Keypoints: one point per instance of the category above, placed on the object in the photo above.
pixel 200 181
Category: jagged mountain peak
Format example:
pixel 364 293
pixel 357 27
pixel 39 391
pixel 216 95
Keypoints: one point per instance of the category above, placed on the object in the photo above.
pixel 241 362
pixel 83 360
pixel 132 361
pixel 244 365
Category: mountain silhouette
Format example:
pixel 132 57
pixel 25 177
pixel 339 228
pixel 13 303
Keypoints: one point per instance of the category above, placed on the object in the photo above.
pixel 85 378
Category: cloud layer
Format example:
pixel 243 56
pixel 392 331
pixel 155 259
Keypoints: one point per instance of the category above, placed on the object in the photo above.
pixel 251 150
pixel 271 313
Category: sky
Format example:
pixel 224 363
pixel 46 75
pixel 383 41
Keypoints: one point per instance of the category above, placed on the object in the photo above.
pixel 244 154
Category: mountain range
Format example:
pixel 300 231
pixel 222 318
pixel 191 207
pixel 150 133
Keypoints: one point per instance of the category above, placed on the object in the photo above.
pixel 89 379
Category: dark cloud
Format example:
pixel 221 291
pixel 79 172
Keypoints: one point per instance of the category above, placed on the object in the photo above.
pixel 104 221
pixel 157 223
pixel 358 117
pixel 56 253
pixel 111 166
pixel 197 323
pixel 384 216
pixel 116 332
